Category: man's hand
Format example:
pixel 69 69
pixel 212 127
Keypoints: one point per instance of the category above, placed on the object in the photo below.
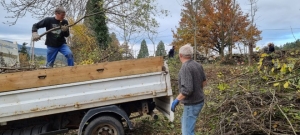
pixel 64 28
pixel 174 104
pixel 35 36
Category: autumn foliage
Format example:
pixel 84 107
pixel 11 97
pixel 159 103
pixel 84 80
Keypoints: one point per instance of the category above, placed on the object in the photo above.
pixel 219 24
pixel 86 49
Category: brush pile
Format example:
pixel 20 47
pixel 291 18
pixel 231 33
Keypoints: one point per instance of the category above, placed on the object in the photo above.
pixel 258 100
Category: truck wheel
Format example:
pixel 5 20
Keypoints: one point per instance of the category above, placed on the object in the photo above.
pixel 105 125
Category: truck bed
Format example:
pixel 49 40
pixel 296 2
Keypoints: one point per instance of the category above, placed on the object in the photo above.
pixel 65 75
pixel 40 101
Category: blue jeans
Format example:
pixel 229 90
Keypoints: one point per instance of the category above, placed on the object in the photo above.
pixel 189 118
pixel 52 53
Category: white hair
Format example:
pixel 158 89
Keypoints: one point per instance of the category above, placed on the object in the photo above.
pixel 186 50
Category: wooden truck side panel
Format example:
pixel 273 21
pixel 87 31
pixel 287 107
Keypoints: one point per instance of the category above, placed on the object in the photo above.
pixel 65 75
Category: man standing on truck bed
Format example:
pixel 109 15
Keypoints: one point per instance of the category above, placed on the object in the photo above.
pixel 55 40
pixel 191 82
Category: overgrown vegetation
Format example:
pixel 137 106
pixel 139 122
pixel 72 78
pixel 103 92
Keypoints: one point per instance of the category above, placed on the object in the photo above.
pixel 259 100
pixel 254 100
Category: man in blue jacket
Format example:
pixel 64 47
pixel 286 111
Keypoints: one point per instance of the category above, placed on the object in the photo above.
pixel 191 82
pixel 55 40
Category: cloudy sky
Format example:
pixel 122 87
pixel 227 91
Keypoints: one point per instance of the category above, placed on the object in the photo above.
pixel 274 17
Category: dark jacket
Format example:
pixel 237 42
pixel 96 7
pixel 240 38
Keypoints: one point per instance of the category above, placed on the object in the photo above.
pixel 55 38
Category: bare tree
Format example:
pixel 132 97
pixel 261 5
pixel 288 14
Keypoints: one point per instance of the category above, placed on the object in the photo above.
pixel 232 22
pixel 130 18
pixel 41 8
pixel 139 20
pixel 152 37
pixel 251 42
pixel 193 7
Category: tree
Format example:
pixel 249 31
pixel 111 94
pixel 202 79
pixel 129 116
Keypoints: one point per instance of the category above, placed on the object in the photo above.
pixel 192 7
pixel 160 51
pixel 114 46
pixel 193 26
pixel 291 45
pixel 251 42
pixel 97 23
pixel 140 18
pixel 24 56
pixel 130 18
pixel 84 44
pixel 24 49
pixel 126 51
pixel 220 23
pixel 143 53
pixel 40 9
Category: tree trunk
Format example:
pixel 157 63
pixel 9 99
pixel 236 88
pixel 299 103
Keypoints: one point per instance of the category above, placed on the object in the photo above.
pixel 250 53
pixel 231 31
pixel 221 52
pixel 230 50
pixel 195 42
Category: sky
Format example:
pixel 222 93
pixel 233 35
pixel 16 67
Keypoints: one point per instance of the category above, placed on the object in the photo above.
pixel 274 17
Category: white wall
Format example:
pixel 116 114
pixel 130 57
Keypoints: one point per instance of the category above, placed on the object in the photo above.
pixel 11 53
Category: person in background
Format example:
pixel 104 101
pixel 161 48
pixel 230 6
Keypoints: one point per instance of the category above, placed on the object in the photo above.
pixel 191 81
pixel 172 52
pixel 55 40
pixel 271 48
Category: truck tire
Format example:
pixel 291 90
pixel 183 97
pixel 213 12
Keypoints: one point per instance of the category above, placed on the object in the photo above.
pixel 104 125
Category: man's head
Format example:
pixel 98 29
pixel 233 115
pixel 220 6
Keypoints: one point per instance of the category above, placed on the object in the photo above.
pixel 185 53
pixel 270 44
pixel 60 13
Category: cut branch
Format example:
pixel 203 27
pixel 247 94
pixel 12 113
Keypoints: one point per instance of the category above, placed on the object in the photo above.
pixel 287 119
pixel 89 15
pixel 70 25
pixel 283 79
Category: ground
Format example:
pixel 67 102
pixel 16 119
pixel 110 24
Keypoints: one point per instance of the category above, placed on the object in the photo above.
pixel 248 100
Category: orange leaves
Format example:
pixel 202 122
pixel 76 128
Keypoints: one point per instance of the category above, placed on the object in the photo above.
pixel 219 23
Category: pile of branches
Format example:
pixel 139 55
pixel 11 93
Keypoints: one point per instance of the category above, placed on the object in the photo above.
pixel 253 101
pixel 259 113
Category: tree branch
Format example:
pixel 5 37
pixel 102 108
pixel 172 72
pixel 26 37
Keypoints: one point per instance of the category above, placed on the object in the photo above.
pixel 287 119
pixel 89 15
pixel 283 79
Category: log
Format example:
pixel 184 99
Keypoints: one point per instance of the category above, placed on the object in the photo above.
pixel 64 75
